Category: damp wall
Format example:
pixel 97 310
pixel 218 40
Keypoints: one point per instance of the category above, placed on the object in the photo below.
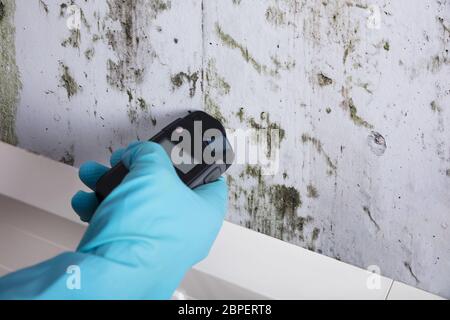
pixel 358 89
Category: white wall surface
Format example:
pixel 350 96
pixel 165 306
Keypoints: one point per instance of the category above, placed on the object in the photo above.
pixel 363 101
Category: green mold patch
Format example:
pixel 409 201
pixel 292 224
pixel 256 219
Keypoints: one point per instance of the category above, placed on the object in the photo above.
pixel 125 29
pixel 319 148
pixel 286 66
pixel 216 85
pixel 435 107
pixel 273 209
pixel 215 81
pixel 231 43
pixel 285 199
pixel 10 84
pixel 275 16
pixel 355 117
pixel 270 129
pixel 68 82
pixel 179 79
pixel 213 108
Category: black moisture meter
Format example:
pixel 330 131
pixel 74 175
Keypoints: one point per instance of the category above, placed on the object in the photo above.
pixel 197 145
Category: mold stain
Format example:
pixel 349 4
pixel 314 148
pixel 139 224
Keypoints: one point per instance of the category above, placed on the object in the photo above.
pixel 68 82
pixel 411 272
pixel 268 130
pixel 241 115
pixel 10 84
pixel 179 79
pixel 125 29
pixel 2 10
pixel 262 69
pixel 215 81
pixel 307 139
pixel 44 6
pixel 275 16
pixel 324 80
pixel 312 192
pixel 377 143
pixel 89 53
pixel 216 85
pixel 314 237
pixel 369 214
pixel 73 40
pixel 353 113
pixel 213 108
pixel 273 208
pixel 68 157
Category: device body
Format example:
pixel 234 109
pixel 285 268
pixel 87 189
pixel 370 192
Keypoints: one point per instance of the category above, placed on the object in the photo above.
pixel 193 174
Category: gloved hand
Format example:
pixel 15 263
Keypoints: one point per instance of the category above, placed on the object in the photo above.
pixel 141 239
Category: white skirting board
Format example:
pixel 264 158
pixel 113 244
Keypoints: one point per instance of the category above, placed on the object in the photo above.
pixel 37 222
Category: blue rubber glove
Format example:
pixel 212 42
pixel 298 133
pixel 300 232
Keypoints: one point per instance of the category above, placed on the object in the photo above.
pixel 141 240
